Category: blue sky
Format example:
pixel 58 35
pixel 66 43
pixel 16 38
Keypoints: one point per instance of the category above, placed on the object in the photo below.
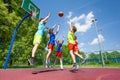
pixel 82 12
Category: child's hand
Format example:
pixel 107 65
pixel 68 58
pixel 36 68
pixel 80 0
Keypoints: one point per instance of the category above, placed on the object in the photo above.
pixel 49 14
pixel 70 20
pixel 58 25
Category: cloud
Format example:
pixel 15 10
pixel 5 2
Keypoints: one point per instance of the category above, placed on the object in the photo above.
pixel 69 15
pixel 95 41
pixel 81 45
pixel 82 22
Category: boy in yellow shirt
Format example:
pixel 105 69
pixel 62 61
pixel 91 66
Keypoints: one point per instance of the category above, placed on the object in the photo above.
pixel 72 44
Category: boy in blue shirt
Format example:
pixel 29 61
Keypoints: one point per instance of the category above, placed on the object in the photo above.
pixel 51 43
pixel 59 52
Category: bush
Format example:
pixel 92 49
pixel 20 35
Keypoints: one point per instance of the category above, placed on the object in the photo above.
pixel 109 62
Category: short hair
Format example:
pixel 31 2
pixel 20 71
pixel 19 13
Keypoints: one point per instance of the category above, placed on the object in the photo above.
pixel 41 19
pixel 74 29
pixel 50 30
pixel 58 41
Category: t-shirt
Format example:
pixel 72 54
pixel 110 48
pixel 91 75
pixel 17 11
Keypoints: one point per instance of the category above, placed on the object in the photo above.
pixel 52 39
pixel 71 37
pixel 41 28
pixel 59 47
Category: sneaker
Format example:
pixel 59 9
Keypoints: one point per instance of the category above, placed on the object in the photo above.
pixel 74 66
pixel 83 61
pixel 31 61
pixel 47 65
pixel 61 69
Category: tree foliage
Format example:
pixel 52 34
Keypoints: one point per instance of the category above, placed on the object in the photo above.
pixel 10 16
pixel 113 54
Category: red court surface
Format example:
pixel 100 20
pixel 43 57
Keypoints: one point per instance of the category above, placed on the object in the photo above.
pixel 56 74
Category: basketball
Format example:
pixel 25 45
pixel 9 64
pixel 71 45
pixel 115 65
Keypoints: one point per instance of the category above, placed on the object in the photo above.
pixel 60 14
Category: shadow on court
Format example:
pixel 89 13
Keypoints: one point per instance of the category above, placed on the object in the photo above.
pixel 44 71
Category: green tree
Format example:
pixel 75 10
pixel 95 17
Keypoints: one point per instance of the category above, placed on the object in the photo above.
pixel 113 54
pixel 10 16
pixel 93 56
pixel 66 55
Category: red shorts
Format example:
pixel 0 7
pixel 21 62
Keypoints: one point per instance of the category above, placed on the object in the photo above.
pixel 73 47
pixel 59 54
pixel 50 46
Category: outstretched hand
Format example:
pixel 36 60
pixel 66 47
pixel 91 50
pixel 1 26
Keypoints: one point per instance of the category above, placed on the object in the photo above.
pixel 58 24
pixel 49 14
pixel 70 21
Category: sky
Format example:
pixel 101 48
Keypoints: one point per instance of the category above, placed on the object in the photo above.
pixel 103 34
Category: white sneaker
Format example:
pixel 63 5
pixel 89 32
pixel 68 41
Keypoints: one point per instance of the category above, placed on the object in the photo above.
pixel 83 61
pixel 74 66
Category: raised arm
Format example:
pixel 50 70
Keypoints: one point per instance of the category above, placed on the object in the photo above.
pixel 70 25
pixel 63 40
pixel 54 26
pixel 57 29
pixel 46 18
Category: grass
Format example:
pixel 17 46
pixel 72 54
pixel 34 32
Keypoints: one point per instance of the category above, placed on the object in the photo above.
pixel 87 65
pixel 98 65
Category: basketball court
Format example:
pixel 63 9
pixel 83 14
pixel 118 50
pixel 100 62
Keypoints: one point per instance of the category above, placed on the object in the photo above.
pixel 52 74
pixel 57 74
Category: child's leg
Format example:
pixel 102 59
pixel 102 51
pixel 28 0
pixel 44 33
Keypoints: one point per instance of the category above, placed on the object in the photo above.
pixel 55 61
pixel 48 56
pixel 77 54
pixel 61 64
pixel 73 56
pixel 32 59
pixel 80 56
pixel 74 60
pixel 34 50
pixel 36 42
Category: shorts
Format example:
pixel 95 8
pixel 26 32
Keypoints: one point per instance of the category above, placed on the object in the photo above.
pixel 37 39
pixel 73 47
pixel 59 54
pixel 50 46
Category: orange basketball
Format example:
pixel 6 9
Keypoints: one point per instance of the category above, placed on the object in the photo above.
pixel 60 14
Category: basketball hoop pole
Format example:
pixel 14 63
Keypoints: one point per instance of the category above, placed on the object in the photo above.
pixel 13 38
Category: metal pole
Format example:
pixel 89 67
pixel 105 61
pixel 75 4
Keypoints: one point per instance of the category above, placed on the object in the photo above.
pixel 104 52
pixel 13 38
pixel 101 55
